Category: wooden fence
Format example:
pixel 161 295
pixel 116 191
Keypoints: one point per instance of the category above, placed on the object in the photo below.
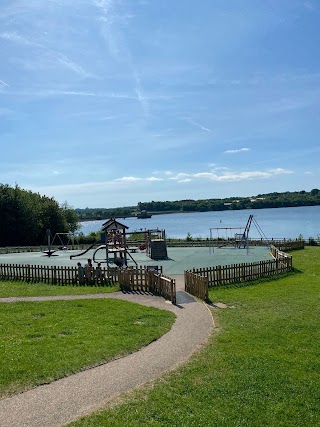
pixel 147 280
pixel 57 275
pixel 22 249
pixel 196 285
pixel 287 246
pixel 280 243
pixel 235 273
pixel 143 279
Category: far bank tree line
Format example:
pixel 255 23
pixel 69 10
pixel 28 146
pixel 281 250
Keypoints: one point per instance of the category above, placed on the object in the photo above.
pixel 25 216
pixel 261 201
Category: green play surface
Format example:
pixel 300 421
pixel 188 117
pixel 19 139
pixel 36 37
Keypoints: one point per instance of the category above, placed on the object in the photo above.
pixel 179 259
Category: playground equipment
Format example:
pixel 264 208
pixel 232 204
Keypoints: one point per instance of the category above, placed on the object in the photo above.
pixel 49 252
pixel 154 243
pixel 64 239
pixel 114 238
pixel 85 251
pixel 63 245
pixel 239 240
pixel 223 234
pixel 114 242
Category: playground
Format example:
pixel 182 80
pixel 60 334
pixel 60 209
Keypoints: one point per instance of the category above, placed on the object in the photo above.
pixel 114 250
pixel 179 259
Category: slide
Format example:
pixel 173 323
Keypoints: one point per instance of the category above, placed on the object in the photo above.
pixel 84 252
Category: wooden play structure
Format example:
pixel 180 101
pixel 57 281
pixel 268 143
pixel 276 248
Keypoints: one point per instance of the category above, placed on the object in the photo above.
pixel 114 234
pixel 155 243
pixel 115 243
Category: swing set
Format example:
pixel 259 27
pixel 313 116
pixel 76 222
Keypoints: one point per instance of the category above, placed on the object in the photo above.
pixel 239 240
pixel 65 240
pixel 224 235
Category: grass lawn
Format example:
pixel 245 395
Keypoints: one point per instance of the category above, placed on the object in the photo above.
pixel 43 341
pixel 260 368
pixel 23 289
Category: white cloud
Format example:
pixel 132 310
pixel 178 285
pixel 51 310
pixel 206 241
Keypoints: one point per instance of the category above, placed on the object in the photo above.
pixel 51 55
pixel 180 176
pixel 152 178
pixel 104 5
pixel 230 176
pixel 4 83
pixel 92 189
pixel 240 150
pixel 198 125
pixel 16 38
pixel 136 179
pixel 128 179
pixel 185 180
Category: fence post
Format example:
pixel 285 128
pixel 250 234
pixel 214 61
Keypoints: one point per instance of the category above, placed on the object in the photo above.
pixel 219 274
pixel 54 275
pixel 28 273
pixel 171 291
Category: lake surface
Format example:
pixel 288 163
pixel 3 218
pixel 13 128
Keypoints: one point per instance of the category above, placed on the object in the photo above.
pixel 278 223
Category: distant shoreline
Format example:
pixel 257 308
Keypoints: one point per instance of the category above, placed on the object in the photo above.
pixel 182 212
pixel 133 216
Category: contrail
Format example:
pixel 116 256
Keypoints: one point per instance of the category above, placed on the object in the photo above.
pixel 4 83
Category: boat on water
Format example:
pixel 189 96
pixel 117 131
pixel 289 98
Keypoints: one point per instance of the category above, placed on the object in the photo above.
pixel 143 214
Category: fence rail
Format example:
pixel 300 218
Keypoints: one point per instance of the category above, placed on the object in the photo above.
pixel 196 285
pixel 146 280
pixel 280 243
pixel 41 248
pixel 287 246
pixel 57 275
pixel 283 243
pixel 60 275
pixel 236 273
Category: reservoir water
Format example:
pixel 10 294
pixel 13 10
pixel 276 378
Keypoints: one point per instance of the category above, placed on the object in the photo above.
pixel 280 223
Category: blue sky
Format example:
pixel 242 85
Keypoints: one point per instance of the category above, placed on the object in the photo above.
pixel 105 103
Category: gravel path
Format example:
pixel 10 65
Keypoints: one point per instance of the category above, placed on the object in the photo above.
pixel 64 400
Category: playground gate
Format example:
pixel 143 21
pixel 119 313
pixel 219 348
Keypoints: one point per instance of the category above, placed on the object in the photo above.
pixel 196 285
pixel 146 280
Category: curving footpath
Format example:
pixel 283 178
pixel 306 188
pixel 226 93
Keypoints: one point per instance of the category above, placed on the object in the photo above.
pixel 56 404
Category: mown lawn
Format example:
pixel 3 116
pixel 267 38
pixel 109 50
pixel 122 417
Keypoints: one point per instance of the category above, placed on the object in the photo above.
pixel 261 367
pixel 43 341
pixel 23 289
